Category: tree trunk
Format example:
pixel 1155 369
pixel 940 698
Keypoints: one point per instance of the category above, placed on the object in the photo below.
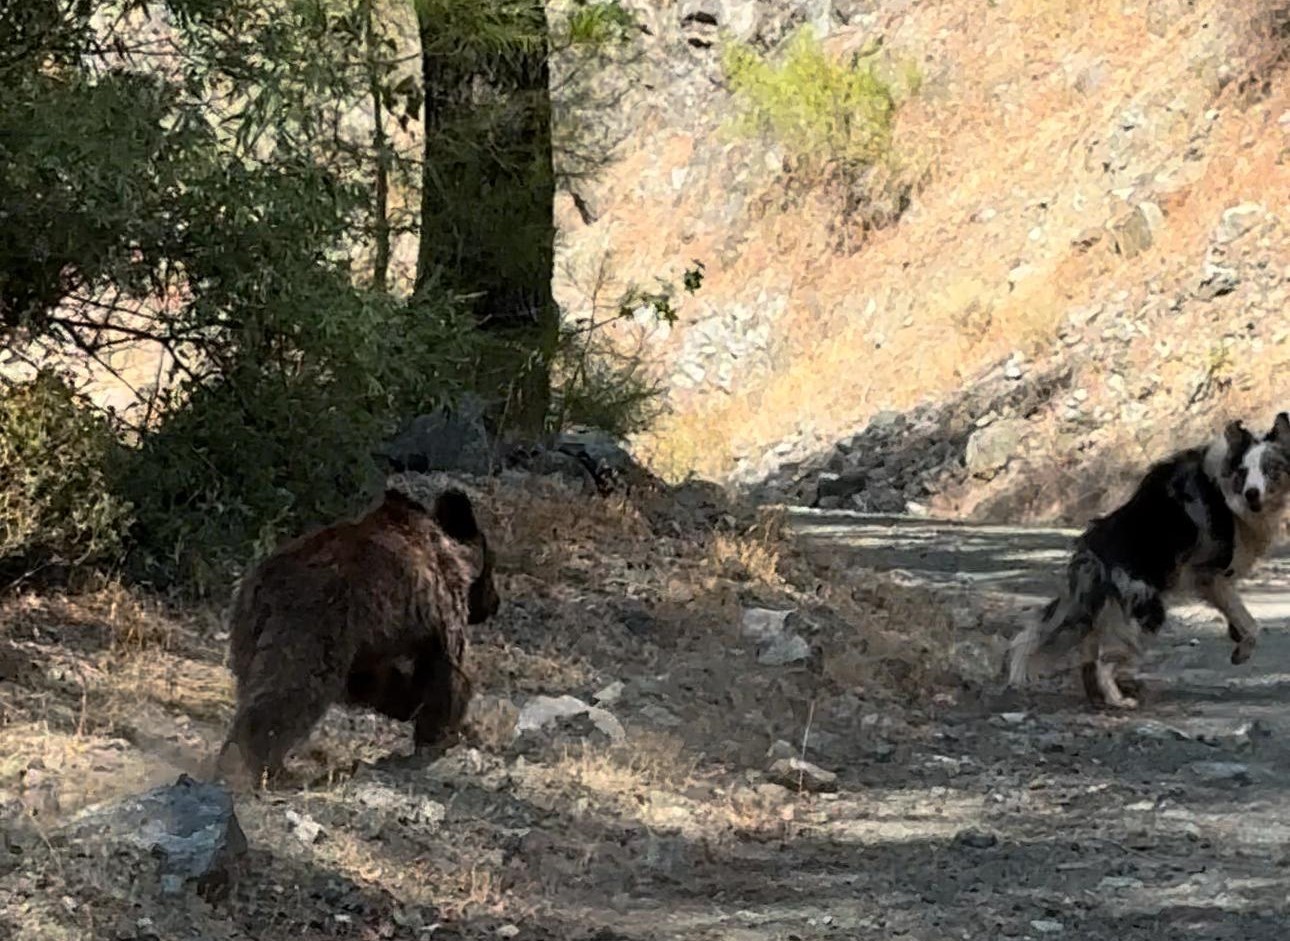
pixel 487 206
pixel 380 143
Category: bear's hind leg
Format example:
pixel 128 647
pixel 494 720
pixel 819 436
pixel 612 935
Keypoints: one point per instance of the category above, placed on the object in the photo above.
pixel 267 725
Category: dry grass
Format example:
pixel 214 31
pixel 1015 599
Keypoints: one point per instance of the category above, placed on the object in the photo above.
pixel 117 693
pixel 1014 115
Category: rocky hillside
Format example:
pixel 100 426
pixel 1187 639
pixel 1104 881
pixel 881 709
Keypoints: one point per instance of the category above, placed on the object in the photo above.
pixel 1091 267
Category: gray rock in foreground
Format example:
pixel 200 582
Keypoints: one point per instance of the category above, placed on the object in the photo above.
pixel 189 826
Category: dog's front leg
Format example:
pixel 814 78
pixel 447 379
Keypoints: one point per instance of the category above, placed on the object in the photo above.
pixel 1242 627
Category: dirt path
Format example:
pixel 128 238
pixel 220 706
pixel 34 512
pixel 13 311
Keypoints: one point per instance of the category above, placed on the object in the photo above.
pixel 994 815
pixel 1041 818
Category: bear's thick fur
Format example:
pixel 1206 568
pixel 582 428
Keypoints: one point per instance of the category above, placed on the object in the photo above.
pixel 370 612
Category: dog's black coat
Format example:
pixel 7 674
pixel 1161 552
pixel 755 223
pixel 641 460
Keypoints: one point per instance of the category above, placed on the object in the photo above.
pixel 1157 530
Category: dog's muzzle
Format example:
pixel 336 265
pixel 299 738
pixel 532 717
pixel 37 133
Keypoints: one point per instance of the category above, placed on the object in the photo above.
pixel 1254 499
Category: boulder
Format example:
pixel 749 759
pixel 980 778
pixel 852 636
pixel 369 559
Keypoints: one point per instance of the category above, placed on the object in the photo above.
pixel 189 827
pixel 447 439
pixel 989 449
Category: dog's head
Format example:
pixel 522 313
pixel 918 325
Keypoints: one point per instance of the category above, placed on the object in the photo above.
pixel 1256 470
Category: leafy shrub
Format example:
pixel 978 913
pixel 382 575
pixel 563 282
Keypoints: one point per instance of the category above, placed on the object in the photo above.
pixel 824 111
pixel 57 508
pixel 593 23
pixel 597 383
pixel 283 440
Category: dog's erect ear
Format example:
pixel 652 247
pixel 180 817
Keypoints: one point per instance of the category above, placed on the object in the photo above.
pixel 455 515
pixel 1238 438
pixel 1280 432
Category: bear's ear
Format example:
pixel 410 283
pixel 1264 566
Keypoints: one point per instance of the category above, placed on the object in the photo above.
pixel 455 515
pixel 404 499
pixel 1280 432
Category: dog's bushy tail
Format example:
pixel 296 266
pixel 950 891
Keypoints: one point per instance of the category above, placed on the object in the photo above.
pixel 1065 621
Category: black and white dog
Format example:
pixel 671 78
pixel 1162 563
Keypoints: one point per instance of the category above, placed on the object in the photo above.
pixel 1196 523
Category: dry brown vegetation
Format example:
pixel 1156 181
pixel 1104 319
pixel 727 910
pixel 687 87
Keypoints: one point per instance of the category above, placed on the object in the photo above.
pixel 106 693
pixel 1016 118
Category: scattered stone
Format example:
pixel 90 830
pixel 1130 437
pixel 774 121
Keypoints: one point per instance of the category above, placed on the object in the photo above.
pixel 1020 273
pixel 1159 731
pixel 840 485
pixel 1120 882
pixel 444 440
pixel 661 716
pixel 493 716
pixel 542 711
pixel 610 694
pixel 38 790
pixel 795 772
pixel 1222 772
pixel 1153 215
pixel 1047 926
pixel 772 793
pixel 307 830
pixel 1132 233
pixel 432 812
pixel 1216 281
pixel 976 839
pixel 1237 221
pixel 781 749
pixel 989 449
pixel 764 623
pixel 1087 238
pixel 189 826
pixel 782 650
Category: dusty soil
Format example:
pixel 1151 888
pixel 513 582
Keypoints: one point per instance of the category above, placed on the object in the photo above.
pixel 957 811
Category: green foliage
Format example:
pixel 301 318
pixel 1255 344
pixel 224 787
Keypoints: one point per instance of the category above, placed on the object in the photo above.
pixel 212 199
pixel 601 385
pixel 606 390
pixel 56 504
pixel 283 440
pixel 121 185
pixel 824 111
pixel 599 23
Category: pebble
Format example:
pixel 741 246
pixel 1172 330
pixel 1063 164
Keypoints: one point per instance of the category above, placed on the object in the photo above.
pixel 782 650
pixel 307 830
pixel 792 771
pixel 977 839
pixel 610 694
pixel 1221 771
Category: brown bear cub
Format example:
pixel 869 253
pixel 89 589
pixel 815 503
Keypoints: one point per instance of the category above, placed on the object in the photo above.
pixel 371 613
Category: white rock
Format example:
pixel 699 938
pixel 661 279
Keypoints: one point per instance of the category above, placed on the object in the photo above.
pixel 783 649
pixel 307 830
pixel 764 623
pixel 792 770
pixel 1238 220
pixel 541 711
pixel 610 694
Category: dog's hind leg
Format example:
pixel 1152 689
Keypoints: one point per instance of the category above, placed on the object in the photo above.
pixel 1242 627
pixel 1096 671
